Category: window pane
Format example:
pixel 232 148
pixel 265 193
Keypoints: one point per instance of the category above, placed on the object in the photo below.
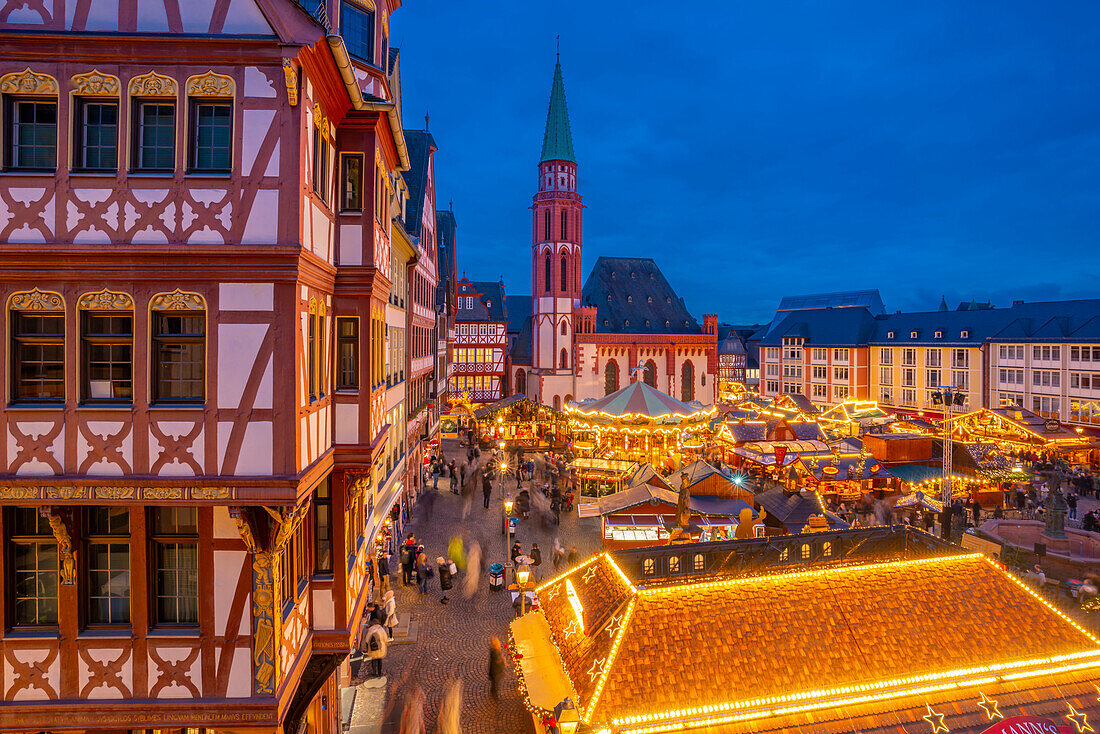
pixel 212 136
pixel 156 136
pixel 178 357
pixel 34 135
pixel 357 28
pixel 99 144
pixel 352 177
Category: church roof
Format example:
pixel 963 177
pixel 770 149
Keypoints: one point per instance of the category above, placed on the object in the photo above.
pixel 557 141
pixel 633 297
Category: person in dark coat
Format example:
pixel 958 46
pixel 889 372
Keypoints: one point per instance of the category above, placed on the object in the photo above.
pixel 408 559
pixel 486 489
pixel 384 570
pixel 536 559
pixel 461 478
pixel 445 579
pixel 517 551
pixel 496 667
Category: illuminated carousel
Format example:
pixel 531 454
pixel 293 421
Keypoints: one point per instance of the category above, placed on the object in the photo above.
pixel 637 424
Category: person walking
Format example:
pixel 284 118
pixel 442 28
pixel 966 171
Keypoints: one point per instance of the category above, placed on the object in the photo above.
pixel 435 474
pixel 517 551
pixel 454 475
pixel 389 612
pixel 423 572
pixel 559 553
pixel 536 560
pixel 486 489
pixel 450 710
pixel 496 667
pixel 572 556
pixel 445 578
pixel 384 570
pixel 461 478
pixel 408 559
pixel 473 571
pixel 1071 500
pixel 374 646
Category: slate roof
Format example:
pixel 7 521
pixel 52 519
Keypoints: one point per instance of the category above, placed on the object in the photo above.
pixel 557 140
pixel 420 144
pixel 633 296
pixel 794 510
pixel 841 327
pixel 806 430
pixel 520 348
pixel 488 306
pixel 1043 321
pixel 446 230
pixel 745 647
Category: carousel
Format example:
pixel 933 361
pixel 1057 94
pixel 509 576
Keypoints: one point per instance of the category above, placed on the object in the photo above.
pixel 639 424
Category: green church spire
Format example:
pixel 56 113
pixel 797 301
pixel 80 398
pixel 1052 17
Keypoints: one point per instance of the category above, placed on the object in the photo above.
pixel 557 141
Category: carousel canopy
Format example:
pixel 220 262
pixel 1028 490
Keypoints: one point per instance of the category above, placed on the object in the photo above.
pixel 639 400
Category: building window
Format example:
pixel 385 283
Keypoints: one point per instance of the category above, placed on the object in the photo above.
pixel 96 143
pixel 840 374
pixel 108 564
pixel 320 162
pixel 546 273
pixel 38 357
pixel 699 562
pixel 347 353
pixel 546 225
pixel 311 358
pixel 351 182
pixel 687 382
pixel 322 527
pixel 107 347
pixel 564 225
pixel 155 141
pixel 301 558
pixel 32 135
pixel 649 567
pixel 211 136
pixel 674 564
pixel 563 329
pixel 175 541
pixel 563 360
pixel 564 275
pixel 610 378
pixel 179 340
pixel 649 374
pixel 34 564
pixel 357 28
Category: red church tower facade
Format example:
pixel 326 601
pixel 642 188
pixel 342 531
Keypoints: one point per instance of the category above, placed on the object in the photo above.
pixel 556 247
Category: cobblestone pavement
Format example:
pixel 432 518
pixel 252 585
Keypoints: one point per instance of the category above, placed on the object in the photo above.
pixel 453 639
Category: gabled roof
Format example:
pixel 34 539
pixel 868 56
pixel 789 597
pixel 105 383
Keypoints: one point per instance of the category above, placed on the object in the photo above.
pixel 489 304
pixel 421 145
pixel 633 297
pixel 794 510
pixel 557 140
pixel 695 472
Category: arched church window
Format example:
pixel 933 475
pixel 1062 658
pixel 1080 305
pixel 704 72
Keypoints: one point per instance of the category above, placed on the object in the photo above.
pixel 687 383
pixel 564 225
pixel 610 378
pixel 563 360
pixel 564 274
pixel 650 373
pixel 546 273
pixel 563 328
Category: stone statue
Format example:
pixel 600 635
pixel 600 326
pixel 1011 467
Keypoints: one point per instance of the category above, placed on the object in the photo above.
pixel 1055 506
pixel 682 532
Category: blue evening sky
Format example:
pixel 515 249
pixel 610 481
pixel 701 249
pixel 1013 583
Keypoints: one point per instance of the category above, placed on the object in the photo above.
pixel 760 149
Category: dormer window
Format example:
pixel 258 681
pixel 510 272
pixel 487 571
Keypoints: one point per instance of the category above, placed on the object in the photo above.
pixel 912 335
pixel 939 335
pixel 630 299
pixel 609 298
pixel 488 304
pixel 626 324
pixel 964 334
pixel 357 28
pixel 606 322
pixel 889 335
pixel 649 299
pixel 668 299
pixel 633 275
pixel 667 324
pixel 647 322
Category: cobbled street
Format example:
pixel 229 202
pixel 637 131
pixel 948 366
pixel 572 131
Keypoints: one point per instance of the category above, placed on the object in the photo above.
pixel 453 638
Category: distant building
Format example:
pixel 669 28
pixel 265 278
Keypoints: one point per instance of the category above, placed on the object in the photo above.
pixel 445 300
pixel 477 348
pixel 738 369
pixel 586 342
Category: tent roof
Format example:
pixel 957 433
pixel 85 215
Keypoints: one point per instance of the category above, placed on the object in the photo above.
pixel 638 399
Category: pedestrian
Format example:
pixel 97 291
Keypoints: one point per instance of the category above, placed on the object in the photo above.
pixel 454 475
pixel 445 576
pixel 976 509
pixel 517 551
pixel 536 559
pixel 412 714
pixel 423 572
pixel 389 612
pixel 374 646
pixel 448 720
pixel 384 570
pixel 461 478
pixel 496 667
pixel 408 559
pixel 456 553
pixel 572 560
pixel 435 474
pixel 559 553
pixel 473 571
pixel 486 489
pixel 375 615
pixel 1072 502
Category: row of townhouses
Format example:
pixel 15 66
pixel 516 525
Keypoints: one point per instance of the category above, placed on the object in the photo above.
pixel 1042 356
pixel 226 288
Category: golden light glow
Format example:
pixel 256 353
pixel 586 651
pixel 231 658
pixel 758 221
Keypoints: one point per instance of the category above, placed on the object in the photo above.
pixel 587 715
pixel 575 602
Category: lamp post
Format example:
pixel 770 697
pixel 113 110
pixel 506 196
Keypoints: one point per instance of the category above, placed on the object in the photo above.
pixel 523 576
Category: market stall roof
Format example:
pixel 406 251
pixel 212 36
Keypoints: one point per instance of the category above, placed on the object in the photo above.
pixel 919 499
pixel 807 430
pixel 1017 420
pixel 856 411
pixel 763 452
pixel 648 494
pixel 739 432
pixel 799 401
pixel 614 467
pixel 638 662
pixel 696 472
pixel 639 400
pixel 540 663
pixel 794 509
pixel 846 465
pixel 487 410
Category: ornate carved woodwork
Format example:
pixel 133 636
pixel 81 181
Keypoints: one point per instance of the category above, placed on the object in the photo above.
pixel 105 300
pixel 19 493
pixel 91 493
pixel 65 552
pixel 28 82
pixel 153 85
pixel 178 300
pixel 210 84
pixel 291 82
pixel 96 84
pixel 36 300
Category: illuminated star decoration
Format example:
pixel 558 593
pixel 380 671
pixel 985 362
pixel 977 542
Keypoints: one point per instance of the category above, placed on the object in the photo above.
pixel 1097 690
pixel 589 574
pixel 989 706
pixel 597 668
pixel 614 626
pixel 935 719
pixel 550 593
pixel 1074 715
pixel 572 628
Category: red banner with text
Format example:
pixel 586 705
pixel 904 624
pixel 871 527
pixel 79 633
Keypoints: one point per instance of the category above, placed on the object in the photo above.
pixel 1028 725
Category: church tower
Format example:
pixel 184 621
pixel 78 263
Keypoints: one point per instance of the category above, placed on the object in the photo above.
pixel 556 236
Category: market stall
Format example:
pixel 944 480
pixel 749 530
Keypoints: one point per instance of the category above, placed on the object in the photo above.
pixel 853 417
pixel 599 477
pixel 845 477
pixel 640 423
pixel 1018 431
pixel 520 421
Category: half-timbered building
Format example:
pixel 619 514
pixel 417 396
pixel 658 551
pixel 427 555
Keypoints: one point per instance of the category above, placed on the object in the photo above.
pixel 477 348
pixel 195 210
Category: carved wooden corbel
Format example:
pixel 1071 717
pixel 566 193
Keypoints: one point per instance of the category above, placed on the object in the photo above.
pixel 291 82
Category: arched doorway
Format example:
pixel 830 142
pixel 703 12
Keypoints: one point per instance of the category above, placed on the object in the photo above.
pixel 521 382
pixel 650 373
pixel 610 377
pixel 687 382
